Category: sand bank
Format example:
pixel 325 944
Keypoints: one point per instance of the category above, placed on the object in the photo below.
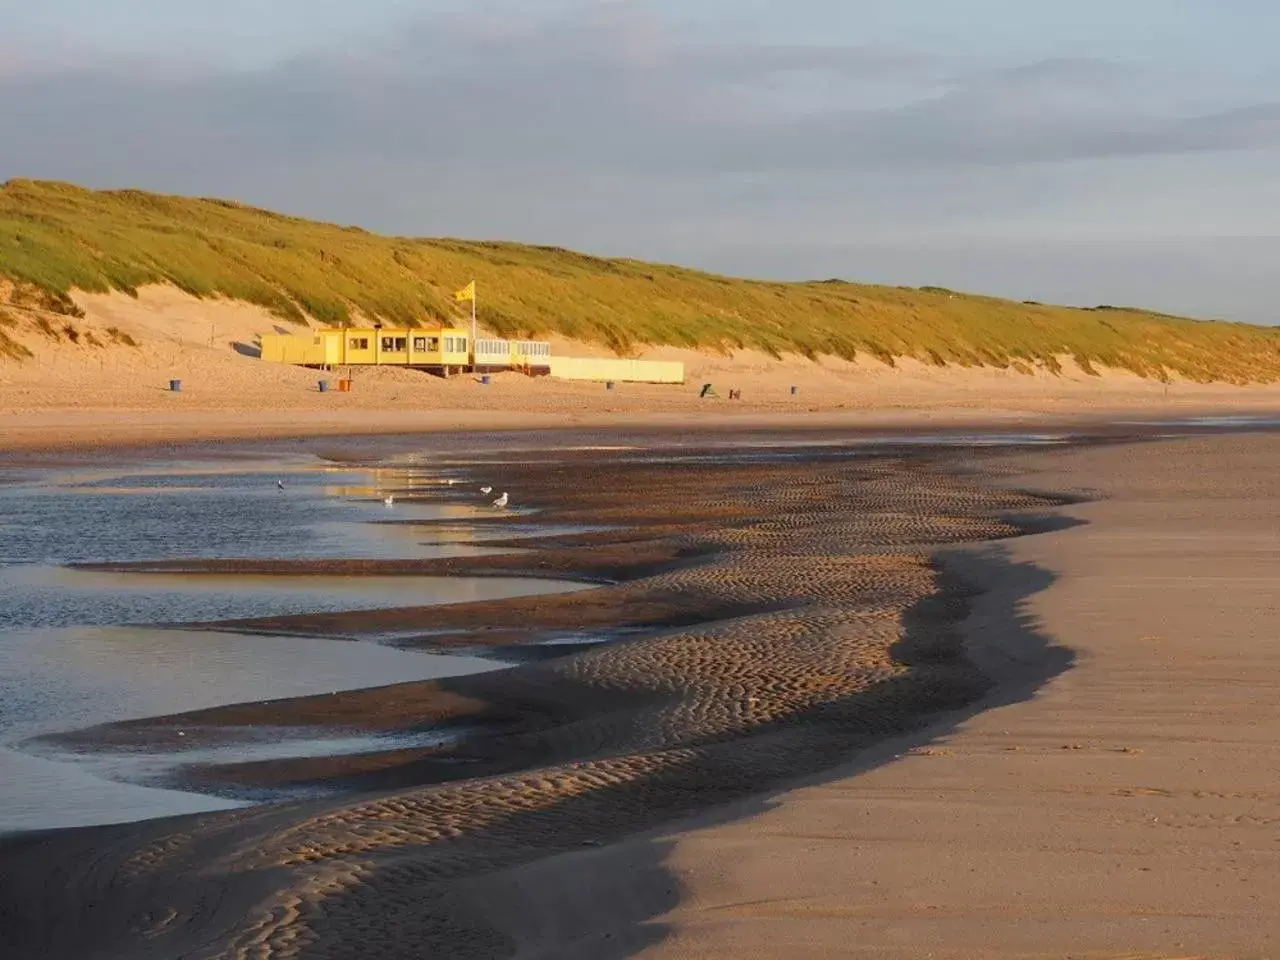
pixel 78 394
pixel 1128 808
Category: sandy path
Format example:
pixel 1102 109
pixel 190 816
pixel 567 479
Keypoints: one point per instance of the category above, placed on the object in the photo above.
pixel 1128 809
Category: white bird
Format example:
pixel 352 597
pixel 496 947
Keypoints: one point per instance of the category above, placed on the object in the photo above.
pixel 501 502
pixel 486 490
pixel 279 484
pixel 390 499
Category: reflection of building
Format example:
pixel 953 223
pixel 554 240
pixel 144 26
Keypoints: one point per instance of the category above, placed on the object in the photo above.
pixel 450 350
pixel 440 351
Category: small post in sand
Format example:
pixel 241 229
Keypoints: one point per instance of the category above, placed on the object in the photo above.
pixel 469 293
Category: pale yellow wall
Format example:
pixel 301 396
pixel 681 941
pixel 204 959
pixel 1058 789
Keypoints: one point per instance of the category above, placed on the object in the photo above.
pixel 636 371
pixel 334 347
pixel 287 348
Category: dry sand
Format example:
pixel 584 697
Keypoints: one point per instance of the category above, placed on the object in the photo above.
pixel 77 394
pixel 1127 809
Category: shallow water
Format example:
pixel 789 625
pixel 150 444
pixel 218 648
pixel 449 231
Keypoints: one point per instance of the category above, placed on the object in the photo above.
pixel 728 451
pixel 43 596
pixel 1222 423
pixel 93 518
pixel 71 678
pixel 66 661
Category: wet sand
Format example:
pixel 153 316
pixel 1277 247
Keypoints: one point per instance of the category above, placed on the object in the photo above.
pixel 784 623
pixel 1126 808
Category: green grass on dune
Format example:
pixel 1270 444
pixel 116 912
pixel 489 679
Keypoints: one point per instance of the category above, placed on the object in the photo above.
pixel 56 237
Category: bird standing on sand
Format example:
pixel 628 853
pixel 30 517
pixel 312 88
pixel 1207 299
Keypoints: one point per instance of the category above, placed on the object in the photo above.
pixel 390 499
pixel 501 502
pixel 486 490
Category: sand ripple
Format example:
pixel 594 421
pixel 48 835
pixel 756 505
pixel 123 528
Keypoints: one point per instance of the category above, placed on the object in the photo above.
pixel 841 633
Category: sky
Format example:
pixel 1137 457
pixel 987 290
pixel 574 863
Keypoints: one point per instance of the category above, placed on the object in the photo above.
pixel 1093 152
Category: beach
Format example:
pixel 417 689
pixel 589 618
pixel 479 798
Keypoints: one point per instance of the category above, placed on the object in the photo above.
pixel 819 699
pixel 73 396
pixel 1126 807
pixel 634 480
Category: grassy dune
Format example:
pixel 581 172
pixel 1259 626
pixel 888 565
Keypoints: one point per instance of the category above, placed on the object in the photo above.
pixel 56 237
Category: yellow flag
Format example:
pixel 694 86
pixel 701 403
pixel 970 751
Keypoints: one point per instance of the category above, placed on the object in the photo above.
pixel 466 293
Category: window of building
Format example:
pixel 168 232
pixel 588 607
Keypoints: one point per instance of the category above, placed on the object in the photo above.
pixel 388 344
pixel 359 343
pixel 401 344
pixel 420 343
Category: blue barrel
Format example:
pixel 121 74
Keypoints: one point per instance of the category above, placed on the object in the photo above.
pixel 608 385
pixel 324 386
pixel 485 379
pixel 175 386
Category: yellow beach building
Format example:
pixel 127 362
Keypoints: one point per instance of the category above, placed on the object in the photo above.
pixel 447 350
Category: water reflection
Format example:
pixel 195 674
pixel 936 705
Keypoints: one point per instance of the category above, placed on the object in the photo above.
pixel 66 664
pixel 42 596
pixel 55 680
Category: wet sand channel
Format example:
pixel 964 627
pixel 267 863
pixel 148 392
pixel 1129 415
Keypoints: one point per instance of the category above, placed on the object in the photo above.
pixel 754 621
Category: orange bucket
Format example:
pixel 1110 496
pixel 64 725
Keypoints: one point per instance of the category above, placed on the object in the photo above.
pixel 344 386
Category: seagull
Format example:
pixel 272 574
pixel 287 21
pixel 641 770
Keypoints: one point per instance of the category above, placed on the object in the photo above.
pixel 486 490
pixel 390 499
pixel 279 484
pixel 501 502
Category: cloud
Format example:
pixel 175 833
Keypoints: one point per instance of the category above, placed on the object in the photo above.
pixel 604 126
pixel 605 87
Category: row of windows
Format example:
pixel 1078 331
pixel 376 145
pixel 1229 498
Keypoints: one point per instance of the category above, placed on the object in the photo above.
pixel 420 344
pixel 525 348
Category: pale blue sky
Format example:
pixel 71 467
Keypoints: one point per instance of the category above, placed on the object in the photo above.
pixel 1118 151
